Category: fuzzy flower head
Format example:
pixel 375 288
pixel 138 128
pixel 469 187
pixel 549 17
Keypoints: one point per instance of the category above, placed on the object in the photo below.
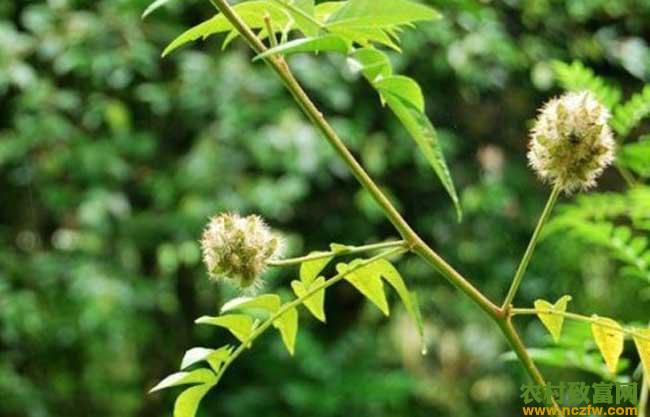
pixel 571 143
pixel 237 249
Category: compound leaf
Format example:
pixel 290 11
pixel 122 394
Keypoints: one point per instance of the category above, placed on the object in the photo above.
pixel 365 14
pixel 326 43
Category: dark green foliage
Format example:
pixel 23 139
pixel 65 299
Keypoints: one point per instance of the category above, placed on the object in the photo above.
pixel 111 160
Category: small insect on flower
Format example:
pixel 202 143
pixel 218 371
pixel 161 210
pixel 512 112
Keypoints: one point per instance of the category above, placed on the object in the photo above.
pixel 571 143
pixel 237 249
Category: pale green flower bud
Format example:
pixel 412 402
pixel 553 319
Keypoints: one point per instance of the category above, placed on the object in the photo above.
pixel 571 143
pixel 237 249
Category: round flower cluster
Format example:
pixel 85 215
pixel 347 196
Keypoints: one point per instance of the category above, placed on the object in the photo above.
pixel 571 143
pixel 237 249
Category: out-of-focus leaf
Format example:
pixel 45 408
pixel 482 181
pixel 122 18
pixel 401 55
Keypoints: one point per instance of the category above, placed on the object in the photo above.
pixel 153 7
pixel 636 157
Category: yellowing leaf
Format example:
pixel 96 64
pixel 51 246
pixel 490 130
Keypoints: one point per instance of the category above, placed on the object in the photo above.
pixel 267 302
pixel 368 282
pixel 188 402
pixel 198 376
pixel 314 303
pixel 288 326
pixel 553 322
pixel 609 338
pixel 240 325
pixel 643 346
pixel 309 270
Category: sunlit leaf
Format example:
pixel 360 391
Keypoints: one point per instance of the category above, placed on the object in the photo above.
pixel 367 282
pixel 287 324
pixel 240 325
pixel 385 269
pixel 326 43
pixel 379 14
pixel 404 87
pixel 198 376
pixel 251 12
pixel 267 302
pixel 309 270
pixel 553 322
pixel 424 134
pixel 643 347
pixel 372 63
pixel 314 303
pixel 304 14
pixel 609 338
pixel 188 401
pixel 214 357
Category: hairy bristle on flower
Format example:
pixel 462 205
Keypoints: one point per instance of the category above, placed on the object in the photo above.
pixel 237 249
pixel 571 143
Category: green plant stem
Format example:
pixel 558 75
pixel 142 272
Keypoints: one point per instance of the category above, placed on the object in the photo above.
pixel 525 261
pixel 578 317
pixel 519 348
pixel 348 250
pixel 316 117
pixel 269 30
pixel 414 242
pixel 298 301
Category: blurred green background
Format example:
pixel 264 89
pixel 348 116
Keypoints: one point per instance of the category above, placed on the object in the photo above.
pixel 112 159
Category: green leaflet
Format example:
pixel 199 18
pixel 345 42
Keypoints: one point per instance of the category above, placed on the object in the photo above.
pixel 309 270
pixel 214 357
pixel 425 136
pixel 188 401
pixel 269 303
pixel 251 12
pixel 314 303
pixel 553 322
pixel 240 325
pixel 327 43
pixel 362 14
pixel 404 87
pixel 287 324
pixel 303 13
pixel 609 338
pixel 367 282
pixel 198 376
pixel 372 63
